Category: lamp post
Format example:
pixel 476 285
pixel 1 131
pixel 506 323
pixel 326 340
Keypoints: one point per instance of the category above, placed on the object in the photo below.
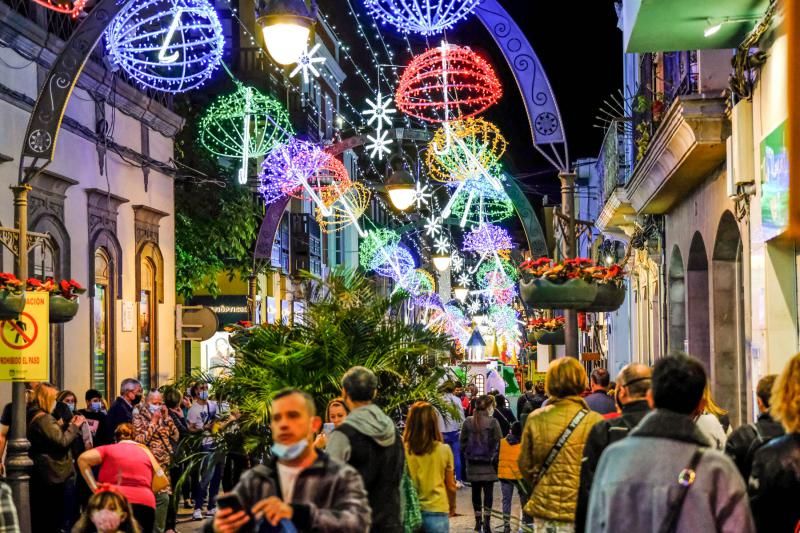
pixel 286 26
pixel 568 211
pixel 401 188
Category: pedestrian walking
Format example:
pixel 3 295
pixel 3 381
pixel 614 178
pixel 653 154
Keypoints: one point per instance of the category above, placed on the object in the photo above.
pixel 95 415
pixel 633 384
pixel 503 414
pixel 125 465
pixel 121 411
pixel 51 454
pixel 774 485
pixel 598 400
pixel 368 440
pixel 552 447
pixel 509 474
pixel 744 442
pixel 713 421
pixel 154 428
pixel 532 400
pixel 431 467
pixel 201 419
pixel 108 511
pixel 666 461
pixel 300 484
pixel 480 440
pixel 75 492
pixel 450 425
pixel 172 400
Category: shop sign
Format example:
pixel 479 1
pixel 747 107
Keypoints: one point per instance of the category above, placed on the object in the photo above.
pixel 774 184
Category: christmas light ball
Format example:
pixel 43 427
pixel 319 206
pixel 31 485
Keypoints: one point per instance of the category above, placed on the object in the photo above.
pixel 427 17
pixel 474 148
pixel 487 239
pixel 397 262
pixel 72 8
pixel 345 208
pixel 222 125
pixel 447 83
pixel 478 201
pixel 492 272
pixel 375 246
pixel 168 45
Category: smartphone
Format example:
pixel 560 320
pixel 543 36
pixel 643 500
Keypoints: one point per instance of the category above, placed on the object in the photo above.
pixel 230 501
pixel 327 428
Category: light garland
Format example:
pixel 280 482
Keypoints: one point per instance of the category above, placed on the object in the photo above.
pixel 451 80
pixel 427 17
pixel 487 239
pixel 346 209
pixel 397 261
pixel 448 160
pixel 65 7
pixel 168 45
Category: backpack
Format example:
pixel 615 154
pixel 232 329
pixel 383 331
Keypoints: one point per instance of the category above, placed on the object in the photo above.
pixel 760 440
pixel 479 449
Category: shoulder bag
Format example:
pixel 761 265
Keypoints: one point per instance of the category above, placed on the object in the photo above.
pixel 160 480
pixel 685 480
pixel 562 439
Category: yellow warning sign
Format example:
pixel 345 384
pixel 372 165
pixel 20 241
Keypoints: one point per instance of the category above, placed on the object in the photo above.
pixel 25 342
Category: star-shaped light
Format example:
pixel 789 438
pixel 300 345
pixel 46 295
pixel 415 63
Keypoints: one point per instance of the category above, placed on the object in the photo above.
pixel 380 144
pixel 305 63
pixel 463 280
pixel 441 245
pixel 421 195
pixel 433 226
pixel 380 111
pixel 474 306
pixel 456 262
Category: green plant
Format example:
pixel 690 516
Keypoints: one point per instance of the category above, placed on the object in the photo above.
pixel 642 140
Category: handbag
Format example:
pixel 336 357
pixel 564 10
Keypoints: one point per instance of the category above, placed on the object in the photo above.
pixel 412 513
pixel 160 480
pixel 685 480
pixel 560 442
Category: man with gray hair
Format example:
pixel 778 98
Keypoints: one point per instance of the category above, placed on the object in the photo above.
pixel 368 440
pixel 121 411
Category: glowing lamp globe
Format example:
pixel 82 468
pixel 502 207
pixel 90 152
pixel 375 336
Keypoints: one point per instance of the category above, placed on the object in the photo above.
pixel 286 26
pixel 441 262
pixel 447 83
pixel 167 45
pixel 401 188
pixel 461 293
pixel 427 17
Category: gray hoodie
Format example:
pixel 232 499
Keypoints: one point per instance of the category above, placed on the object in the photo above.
pixel 369 420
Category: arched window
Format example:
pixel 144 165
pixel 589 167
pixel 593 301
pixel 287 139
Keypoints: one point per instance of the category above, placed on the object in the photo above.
pixel 147 322
pixel 102 313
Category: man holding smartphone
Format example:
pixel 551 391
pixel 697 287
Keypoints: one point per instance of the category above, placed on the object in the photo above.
pixel 301 484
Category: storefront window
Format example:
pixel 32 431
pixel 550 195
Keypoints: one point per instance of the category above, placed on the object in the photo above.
pixel 101 313
pixel 146 323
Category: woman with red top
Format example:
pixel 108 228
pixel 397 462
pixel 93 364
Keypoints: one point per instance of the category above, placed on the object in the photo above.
pixel 126 466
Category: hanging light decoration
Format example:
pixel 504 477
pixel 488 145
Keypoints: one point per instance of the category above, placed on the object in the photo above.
pixel 487 239
pixel 376 246
pixel 167 45
pixel 397 261
pixel 427 17
pixel 503 267
pixel 478 201
pixel 447 83
pixel 345 208
pixel 465 149
pixel 505 322
pixel 286 26
pixel 72 8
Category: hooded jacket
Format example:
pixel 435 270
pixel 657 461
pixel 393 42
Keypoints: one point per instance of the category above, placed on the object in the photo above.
pixel 328 497
pixel 369 442
pixel 638 476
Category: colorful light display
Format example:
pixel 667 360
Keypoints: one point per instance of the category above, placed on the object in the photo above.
pixel 396 262
pixel 65 7
pixel 375 246
pixel 305 63
pixel 427 17
pixel 447 83
pixel 487 239
pixel 502 266
pixel 168 45
pixel 346 208
pixel 478 201
pixel 466 149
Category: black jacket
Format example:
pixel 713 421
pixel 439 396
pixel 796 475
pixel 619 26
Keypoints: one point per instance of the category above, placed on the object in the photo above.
pixel 50 446
pixel 774 486
pixel 743 443
pixel 328 497
pixel 119 413
pixel 601 436
pixel 528 403
pixel 505 418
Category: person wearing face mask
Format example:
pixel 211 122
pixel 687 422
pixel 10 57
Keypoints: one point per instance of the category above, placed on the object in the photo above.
pixel 75 492
pixel 200 419
pixel 107 512
pixel 121 411
pixel 96 416
pixel 300 484
pixel 153 427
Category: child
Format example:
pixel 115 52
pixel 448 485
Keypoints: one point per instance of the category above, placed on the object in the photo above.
pixel 509 473
pixel 107 512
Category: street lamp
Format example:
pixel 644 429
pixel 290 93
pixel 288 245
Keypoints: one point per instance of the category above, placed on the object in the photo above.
pixel 475 346
pixel 286 25
pixel 461 293
pixel 441 262
pixel 402 189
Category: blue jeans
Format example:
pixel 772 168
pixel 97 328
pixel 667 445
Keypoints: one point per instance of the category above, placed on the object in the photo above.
pixel 451 439
pixel 507 488
pixel 208 482
pixel 435 522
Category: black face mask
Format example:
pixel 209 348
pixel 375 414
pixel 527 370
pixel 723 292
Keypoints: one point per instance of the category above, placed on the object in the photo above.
pixel 136 399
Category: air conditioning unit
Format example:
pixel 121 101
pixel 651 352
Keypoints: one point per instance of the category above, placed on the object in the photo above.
pixel 740 148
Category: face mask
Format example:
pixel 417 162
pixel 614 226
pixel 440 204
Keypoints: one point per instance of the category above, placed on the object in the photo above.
pixel 106 520
pixel 289 452
pixel 490 411
pixel 136 399
pixel 96 406
pixel 71 407
pixel 203 395
pixel 154 408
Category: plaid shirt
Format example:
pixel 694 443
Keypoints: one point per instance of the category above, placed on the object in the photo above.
pixel 8 513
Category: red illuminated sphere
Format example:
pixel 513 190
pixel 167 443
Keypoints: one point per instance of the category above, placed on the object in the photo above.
pixel 65 7
pixel 330 181
pixel 447 83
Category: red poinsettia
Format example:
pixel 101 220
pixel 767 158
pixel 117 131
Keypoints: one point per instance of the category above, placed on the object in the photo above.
pixel 10 283
pixel 68 288
pixel 550 324
pixel 577 268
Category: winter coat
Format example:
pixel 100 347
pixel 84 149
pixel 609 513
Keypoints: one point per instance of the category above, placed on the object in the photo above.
pixel 637 477
pixel 710 426
pixel 529 402
pixel 50 446
pixel 774 485
pixel 601 437
pixel 488 431
pixel 507 466
pixel 328 496
pixel 743 443
pixel 370 443
pixel 556 494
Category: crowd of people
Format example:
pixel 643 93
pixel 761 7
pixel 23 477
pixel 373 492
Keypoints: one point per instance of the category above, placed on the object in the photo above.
pixel 651 451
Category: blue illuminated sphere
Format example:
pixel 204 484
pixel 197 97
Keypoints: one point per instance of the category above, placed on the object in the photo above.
pixel 168 45
pixel 427 17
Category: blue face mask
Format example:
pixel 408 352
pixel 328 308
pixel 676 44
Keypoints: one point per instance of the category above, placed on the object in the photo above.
pixel 203 395
pixel 97 406
pixel 289 452
pixel 154 408
pixel 71 407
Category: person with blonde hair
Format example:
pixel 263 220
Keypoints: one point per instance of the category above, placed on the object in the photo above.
pixel 552 447
pixel 774 485
pixel 712 422
pixel 431 467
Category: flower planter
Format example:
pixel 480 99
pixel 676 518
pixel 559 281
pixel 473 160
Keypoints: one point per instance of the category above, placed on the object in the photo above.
pixel 62 309
pixel 549 338
pixel 609 298
pixel 11 304
pixel 544 294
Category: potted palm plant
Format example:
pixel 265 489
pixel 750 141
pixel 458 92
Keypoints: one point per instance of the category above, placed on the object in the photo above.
pixel 12 296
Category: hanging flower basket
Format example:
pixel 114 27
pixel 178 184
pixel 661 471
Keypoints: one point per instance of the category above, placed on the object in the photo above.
pixel 545 294
pixel 62 309
pixel 610 297
pixel 11 304
pixel 63 297
pixel 573 284
pixel 549 338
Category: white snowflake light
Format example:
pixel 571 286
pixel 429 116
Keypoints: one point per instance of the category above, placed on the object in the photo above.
pixel 379 144
pixel 456 262
pixel 421 195
pixel 305 63
pixel 380 111
pixel 441 245
pixel 463 280
pixel 433 226
pixel 474 306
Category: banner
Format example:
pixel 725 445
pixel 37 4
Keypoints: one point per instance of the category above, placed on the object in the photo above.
pixel 25 342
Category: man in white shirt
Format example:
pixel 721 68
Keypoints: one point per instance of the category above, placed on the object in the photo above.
pixel 201 418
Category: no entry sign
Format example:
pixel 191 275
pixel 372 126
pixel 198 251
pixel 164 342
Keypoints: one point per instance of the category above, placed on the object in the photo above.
pixel 24 342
